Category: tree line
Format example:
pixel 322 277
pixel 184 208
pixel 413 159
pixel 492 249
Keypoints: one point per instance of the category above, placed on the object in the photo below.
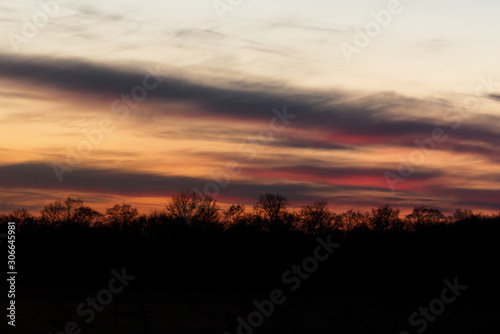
pixel 271 213
pixel 202 247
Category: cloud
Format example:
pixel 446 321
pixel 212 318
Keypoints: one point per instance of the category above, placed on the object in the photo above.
pixel 300 142
pixel 436 44
pixel 342 172
pixel 197 33
pixel 378 118
pixel 333 120
pixel 482 198
pixel 366 178
pixel 495 97
pixel 37 175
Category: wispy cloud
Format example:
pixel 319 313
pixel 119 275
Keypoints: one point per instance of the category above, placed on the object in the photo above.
pixel 326 124
pixel 386 117
pixel 36 177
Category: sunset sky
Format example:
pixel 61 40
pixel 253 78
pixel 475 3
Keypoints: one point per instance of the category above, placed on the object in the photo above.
pixel 361 103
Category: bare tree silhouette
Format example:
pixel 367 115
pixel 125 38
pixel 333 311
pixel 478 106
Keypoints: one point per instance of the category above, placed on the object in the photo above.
pixel 423 216
pixel 194 209
pixel 385 218
pixel 121 215
pixel 272 209
pixel 315 218
pixel 354 220
pixel 463 214
pixel 70 212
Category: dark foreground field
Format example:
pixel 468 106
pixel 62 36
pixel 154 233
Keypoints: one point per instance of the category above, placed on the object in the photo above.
pixel 48 310
pixel 161 275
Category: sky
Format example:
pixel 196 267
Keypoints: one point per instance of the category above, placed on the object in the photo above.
pixel 360 103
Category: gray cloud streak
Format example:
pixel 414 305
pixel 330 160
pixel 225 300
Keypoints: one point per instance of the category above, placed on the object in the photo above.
pixel 332 111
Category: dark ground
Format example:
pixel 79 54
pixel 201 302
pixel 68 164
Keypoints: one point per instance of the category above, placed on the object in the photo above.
pixel 45 311
pixel 202 282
